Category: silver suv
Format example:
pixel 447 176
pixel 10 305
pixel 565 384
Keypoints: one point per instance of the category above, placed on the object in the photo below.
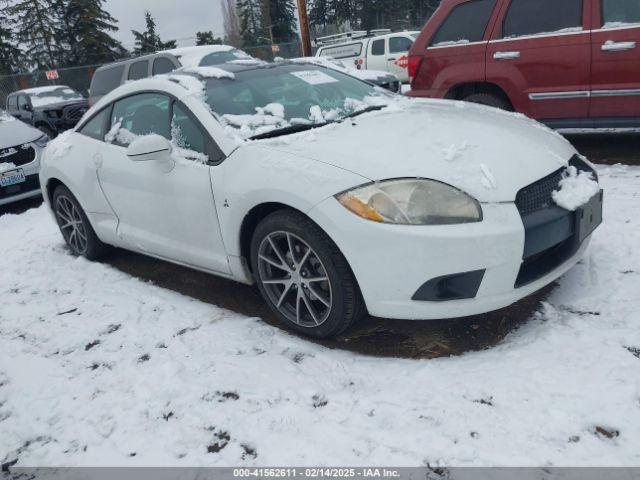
pixel 110 76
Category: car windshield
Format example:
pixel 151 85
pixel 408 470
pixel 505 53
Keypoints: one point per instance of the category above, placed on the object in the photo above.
pixel 218 58
pixel 41 97
pixel 287 98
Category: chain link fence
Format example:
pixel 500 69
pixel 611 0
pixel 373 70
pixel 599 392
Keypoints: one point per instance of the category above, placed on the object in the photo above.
pixel 79 78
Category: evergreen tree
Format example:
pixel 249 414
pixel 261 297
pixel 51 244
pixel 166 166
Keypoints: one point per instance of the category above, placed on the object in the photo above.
pixel 283 24
pixel 149 41
pixel 85 34
pixel 231 23
pixel 10 54
pixel 249 12
pixel 207 38
pixel 37 27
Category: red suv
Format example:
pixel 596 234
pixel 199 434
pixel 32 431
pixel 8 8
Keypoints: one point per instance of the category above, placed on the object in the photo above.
pixel 568 63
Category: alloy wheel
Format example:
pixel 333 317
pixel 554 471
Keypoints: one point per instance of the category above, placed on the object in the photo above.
pixel 294 279
pixel 71 224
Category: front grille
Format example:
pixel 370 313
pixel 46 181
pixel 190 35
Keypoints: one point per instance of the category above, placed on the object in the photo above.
pixel 75 112
pixel 30 184
pixel 537 196
pixel 20 155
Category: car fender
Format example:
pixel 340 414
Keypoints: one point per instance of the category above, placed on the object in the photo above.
pixel 256 175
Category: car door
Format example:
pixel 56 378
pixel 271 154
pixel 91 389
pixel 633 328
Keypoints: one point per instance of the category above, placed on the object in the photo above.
pixel 377 54
pixel 164 208
pixel 25 111
pixel 540 54
pixel 398 56
pixel 615 76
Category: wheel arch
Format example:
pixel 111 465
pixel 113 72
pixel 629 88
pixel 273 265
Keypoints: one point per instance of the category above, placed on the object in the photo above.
pixel 51 186
pixel 463 90
pixel 250 222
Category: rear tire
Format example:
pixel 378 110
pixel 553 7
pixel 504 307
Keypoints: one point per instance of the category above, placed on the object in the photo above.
pixel 75 227
pixel 303 276
pixel 489 100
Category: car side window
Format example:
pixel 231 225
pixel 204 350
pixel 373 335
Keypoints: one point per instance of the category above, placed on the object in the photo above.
pixel 377 47
pixel 465 24
pixel 138 115
pixel 106 80
pixel 22 102
pixel 94 128
pixel 139 70
pixel 620 12
pixel 399 44
pixel 162 65
pixel 12 103
pixel 185 133
pixel 525 17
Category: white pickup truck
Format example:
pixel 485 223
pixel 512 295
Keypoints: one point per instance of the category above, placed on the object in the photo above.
pixel 373 50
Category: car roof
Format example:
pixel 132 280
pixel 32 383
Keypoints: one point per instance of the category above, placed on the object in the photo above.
pixel 36 90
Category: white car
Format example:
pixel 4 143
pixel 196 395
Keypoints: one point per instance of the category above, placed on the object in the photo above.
pixel 379 50
pixel 335 197
pixel 21 149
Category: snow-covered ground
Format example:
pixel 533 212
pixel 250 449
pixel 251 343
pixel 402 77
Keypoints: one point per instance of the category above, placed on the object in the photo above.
pixel 99 368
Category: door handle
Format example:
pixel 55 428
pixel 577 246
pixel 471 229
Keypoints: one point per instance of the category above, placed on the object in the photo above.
pixel 391 59
pixel 611 46
pixel 506 55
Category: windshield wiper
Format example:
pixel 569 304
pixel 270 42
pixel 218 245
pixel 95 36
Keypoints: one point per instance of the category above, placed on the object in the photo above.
pixel 372 108
pixel 287 130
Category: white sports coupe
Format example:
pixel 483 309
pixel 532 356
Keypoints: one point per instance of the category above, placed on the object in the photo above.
pixel 336 197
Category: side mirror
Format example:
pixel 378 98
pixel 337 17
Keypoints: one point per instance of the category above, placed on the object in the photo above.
pixel 148 148
pixel 27 108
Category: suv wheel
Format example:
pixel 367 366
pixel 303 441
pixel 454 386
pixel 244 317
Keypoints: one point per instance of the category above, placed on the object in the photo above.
pixel 303 276
pixel 75 227
pixel 489 100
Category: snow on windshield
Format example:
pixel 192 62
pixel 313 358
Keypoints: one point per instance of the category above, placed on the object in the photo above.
pixel 209 72
pixel 576 189
pixel 43 96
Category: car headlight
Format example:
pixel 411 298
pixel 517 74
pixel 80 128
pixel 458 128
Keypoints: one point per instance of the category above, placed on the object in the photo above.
pixel 42 141
pixel 412 202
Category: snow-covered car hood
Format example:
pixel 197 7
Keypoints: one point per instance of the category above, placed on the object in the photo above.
pixel 488 153
pixel 15 132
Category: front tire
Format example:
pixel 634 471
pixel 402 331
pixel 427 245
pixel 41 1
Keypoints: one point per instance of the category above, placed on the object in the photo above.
pixel 75 227
pixel 303 276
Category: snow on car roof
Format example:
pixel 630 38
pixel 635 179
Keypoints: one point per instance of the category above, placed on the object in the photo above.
pixel 192 56
pixel 49 95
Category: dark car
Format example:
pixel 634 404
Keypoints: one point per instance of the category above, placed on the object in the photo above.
pixel 52 109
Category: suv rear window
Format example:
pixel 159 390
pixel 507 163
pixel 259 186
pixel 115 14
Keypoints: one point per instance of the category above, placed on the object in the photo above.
pixel 542 16
pixel 139 70
pixel 106 80
pixel 620 12
pixel 466 23
pixel 162 65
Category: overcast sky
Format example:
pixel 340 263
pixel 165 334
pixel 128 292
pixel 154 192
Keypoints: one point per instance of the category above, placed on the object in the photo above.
pixel 175 19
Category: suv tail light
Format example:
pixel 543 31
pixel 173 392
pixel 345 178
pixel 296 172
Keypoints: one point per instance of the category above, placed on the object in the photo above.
pixel 414 65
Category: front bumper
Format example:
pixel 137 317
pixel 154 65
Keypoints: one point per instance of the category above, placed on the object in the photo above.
pixel 29 188
pixel 392 262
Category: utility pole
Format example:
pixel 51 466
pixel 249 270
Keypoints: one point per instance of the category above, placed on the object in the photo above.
pixel 304 28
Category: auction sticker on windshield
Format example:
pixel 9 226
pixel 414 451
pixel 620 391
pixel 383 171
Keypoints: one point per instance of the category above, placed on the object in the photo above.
pixel 314 77
pixel 12 178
